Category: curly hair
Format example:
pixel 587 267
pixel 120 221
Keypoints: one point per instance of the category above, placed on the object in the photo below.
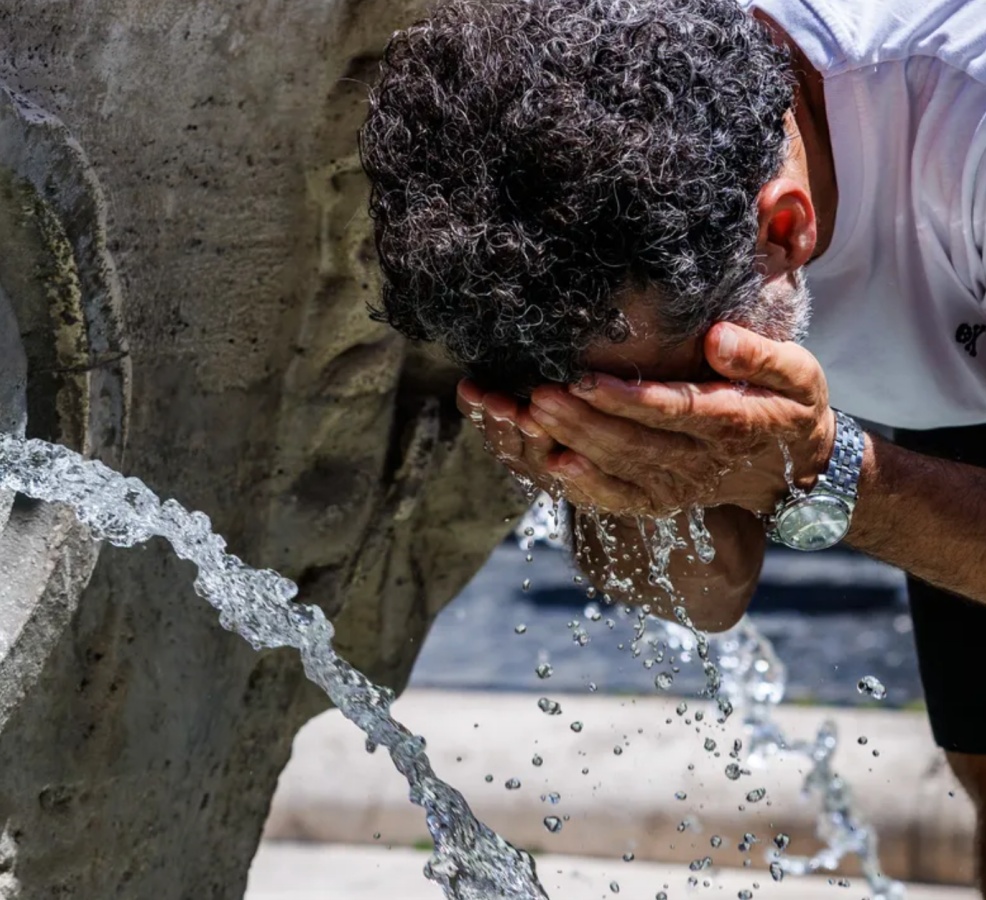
pixel 528 158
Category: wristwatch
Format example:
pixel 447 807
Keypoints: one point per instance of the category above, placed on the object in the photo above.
pixel 820 518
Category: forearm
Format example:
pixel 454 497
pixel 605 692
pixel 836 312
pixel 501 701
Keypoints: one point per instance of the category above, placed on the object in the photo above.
pixel 715 594
pixel 924 515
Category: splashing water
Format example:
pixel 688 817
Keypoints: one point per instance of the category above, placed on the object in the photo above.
pixel 789 469
pixel 754 680
pixel 470 861
pixel 872 687
pixel 700 536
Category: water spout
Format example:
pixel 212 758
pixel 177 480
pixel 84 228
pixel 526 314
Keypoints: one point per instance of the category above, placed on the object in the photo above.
pixel 470 861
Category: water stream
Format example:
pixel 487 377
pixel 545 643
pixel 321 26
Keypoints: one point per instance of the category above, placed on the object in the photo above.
pixel 754 678
pixel 470 861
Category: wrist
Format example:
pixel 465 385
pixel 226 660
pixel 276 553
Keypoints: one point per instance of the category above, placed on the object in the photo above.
pixel 821 516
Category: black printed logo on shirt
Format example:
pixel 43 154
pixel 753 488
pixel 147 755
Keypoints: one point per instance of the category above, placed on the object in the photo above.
pixel 968 335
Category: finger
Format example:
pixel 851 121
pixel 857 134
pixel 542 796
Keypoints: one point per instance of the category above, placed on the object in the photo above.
pixel 469 401
pixel 783 366
pixel 500 420
pixel 670 406
pixel 585 485
pixel 615 444
pixel 702 412
pixel 538 444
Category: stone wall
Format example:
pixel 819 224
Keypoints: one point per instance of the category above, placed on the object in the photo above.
pixel 189 258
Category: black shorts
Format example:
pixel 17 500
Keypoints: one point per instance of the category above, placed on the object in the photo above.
pixel 950 631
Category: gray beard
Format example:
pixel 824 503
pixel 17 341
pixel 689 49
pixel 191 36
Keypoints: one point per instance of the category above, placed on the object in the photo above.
pixel 783 319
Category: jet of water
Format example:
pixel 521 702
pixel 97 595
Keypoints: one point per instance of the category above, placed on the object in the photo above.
pixel 754 679
pixel 470 861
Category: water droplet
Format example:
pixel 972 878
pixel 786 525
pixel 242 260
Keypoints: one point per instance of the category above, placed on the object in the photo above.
pixel 614 886
pixel 576 727
pixel 725 708
pixel 536 760
pixel 733 772
pixel 697 865
pixel 489 779
pixel 376 835
pixel 544 670
pixel 710 744
pixel 520 629
pixel 529 532
pixel 745 895
pixel 511 784
pixel 525 585
pixel 549 707
pixel 617 750
pixel 554 798
pixel 862 740
pixel 682 708
pixel 370 746
pixel 776 871
pixel 782 841
pixel 680 795
pixel 553 824
pixel 715 841
pixel 756 795
pixel 663 680
pixel 660 895
pixel 871 686
pixel 628 857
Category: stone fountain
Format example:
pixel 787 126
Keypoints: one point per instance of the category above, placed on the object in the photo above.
pixel 187 259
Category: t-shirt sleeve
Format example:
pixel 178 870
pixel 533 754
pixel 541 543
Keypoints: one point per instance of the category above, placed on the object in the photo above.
pixel 974 207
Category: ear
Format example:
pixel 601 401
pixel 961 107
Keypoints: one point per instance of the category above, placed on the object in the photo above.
pixel 788 232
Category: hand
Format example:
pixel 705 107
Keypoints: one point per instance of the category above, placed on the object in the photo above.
pixel 527 449
pixel 511 434
pixel 652 449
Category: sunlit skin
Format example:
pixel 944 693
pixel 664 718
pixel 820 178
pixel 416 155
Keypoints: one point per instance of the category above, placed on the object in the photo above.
pixel 658 430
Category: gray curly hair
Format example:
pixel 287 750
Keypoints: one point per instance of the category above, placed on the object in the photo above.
pixel 529 158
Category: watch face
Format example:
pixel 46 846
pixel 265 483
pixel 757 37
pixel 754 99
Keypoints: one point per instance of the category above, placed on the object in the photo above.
pixel 813 523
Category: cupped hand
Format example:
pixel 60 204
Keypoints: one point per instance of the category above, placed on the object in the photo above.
pixel 529 450
pixel 654 448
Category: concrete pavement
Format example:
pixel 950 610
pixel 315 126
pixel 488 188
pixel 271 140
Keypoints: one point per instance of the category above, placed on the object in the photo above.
pixel 333 791
pixel 287 871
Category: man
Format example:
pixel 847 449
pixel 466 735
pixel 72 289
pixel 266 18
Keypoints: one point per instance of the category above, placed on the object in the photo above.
pixel 609 213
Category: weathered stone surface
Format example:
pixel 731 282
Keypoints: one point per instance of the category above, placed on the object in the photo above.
pixel 139 743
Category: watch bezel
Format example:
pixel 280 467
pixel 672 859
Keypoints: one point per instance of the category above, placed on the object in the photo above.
pixel 816 500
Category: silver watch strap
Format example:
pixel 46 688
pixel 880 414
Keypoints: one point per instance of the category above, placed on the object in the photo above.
pixel 842 474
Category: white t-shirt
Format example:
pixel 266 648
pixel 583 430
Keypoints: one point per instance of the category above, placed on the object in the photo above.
pixel 899 313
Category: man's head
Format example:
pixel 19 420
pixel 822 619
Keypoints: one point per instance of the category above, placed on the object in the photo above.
pixel 555 176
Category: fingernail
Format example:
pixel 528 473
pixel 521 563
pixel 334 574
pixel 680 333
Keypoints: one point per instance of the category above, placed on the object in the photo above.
pixel 587 383
pixel 728 344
